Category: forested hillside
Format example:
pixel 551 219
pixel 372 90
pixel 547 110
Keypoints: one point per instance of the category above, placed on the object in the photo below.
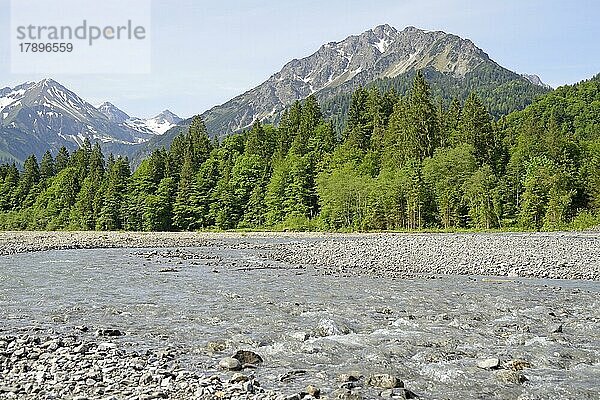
pixel 401 162
pixel 500 90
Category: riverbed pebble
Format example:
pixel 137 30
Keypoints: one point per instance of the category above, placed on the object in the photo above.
pixel 94 374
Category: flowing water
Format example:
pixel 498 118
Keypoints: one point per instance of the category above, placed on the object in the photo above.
pixel 210 302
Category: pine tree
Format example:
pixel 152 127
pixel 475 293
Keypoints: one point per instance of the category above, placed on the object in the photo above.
pixel 204 192
pixel 289 128
pixel 184 214
pixel 114 205
pixel 27 189
pixel 158 207
pixel 422 118
pixel 62 159
pixel 8 188
pixel 360 121
pixel 47 167
pixel 476 129
pixel 199 143
pixel 258 142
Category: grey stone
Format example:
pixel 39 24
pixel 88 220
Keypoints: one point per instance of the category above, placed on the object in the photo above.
pixel 556 328
pixel 508 376
pixel 489 363
pixel 313 391
pixel 384 381
pixel 230 363
pixel 344 394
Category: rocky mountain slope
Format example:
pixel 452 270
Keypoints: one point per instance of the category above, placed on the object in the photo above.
pixel 380 54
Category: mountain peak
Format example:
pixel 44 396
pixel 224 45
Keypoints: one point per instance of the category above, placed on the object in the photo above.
pixel 113 113
pixel 167 112
pixel 384 30
pixel 339 67
pixel 412 29
pixel 536 80
pixel 49 82
pixel 168 116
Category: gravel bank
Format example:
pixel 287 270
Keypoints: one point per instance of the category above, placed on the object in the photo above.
pixel 23 242
pixel 529 255
pixel 34 366
pixel 561 255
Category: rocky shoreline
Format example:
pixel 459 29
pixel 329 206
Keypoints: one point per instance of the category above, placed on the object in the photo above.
pixel 35 366
pixel 71 366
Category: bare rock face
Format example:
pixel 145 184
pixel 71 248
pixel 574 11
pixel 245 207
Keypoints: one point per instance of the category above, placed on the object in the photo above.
pixel 382 52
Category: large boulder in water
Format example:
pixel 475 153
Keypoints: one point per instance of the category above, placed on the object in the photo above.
pixel 248 357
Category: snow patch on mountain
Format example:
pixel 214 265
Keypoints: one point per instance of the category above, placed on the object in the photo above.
pixel 382 45
pixel 157 125
pixel 10 95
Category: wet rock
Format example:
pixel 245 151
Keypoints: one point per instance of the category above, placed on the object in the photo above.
pixel 248 357
pixel 384 381
pixel 216 347
pixel 399 393
pixel 490 363
pixel 353 376
pixel 9 389
pixel 556 328
pixel 289 377
pixel 310 348
pixel 238 378
pixel 301 336
pixel 344 394
pixel 230 363
pixel 109 332
pixel 517 365
pixel 328 327
pixel 508 376
pixel 52 345
pixel 167 270
pixel 250 386
pixel 106 346
pixel 19 352
pixel 81 349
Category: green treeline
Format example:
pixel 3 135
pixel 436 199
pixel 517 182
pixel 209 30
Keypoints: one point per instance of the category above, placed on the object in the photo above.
pixel 401 163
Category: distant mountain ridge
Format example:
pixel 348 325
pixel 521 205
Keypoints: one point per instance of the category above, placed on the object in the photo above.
pixel 156 125
pixel 40 116
pixel 382 53
pixel 37 116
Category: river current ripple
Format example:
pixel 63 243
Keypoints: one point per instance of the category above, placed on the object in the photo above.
pixel 209 302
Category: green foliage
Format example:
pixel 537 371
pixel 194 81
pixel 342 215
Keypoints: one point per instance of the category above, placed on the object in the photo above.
pixel 447 173
pixel 401 163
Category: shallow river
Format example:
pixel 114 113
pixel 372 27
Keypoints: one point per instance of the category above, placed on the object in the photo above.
pixel 310 328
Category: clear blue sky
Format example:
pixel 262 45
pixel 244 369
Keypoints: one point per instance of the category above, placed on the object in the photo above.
pixel 206 52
